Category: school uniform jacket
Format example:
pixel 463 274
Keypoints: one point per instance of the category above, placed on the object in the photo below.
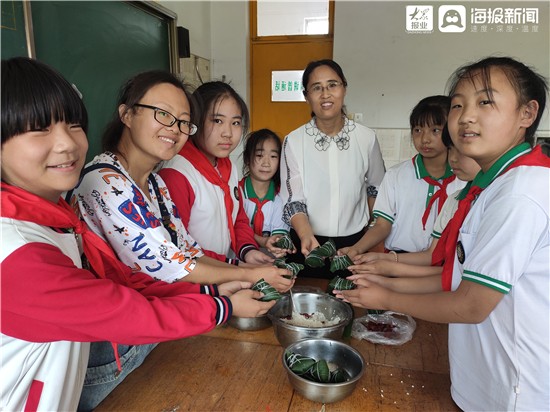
pixel 202 210
pixel 51 308
pixel 402 200
pixel 271 209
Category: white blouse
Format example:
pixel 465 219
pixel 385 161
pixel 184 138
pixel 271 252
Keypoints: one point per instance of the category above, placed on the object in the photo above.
pixel 327 177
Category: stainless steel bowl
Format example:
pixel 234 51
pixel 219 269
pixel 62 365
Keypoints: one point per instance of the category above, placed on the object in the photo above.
pixel 332 351
pixel 309 303
pixel 257 323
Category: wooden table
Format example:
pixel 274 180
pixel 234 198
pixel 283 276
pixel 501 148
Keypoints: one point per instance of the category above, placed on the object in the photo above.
pixel 232 370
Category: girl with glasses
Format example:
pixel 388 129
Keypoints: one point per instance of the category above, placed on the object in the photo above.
pixel 125 201
pixel 53 306
pixel 331 168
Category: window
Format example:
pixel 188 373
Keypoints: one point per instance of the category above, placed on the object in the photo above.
pixel 281 18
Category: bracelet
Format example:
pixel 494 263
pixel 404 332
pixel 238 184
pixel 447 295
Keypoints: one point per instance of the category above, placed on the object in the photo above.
pixel 394 253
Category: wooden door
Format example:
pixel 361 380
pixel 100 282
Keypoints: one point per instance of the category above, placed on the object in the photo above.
pixel 270 53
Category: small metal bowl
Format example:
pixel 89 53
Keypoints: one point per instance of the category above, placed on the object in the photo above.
pixel 339 353
pixel 257 323
pixel 308 302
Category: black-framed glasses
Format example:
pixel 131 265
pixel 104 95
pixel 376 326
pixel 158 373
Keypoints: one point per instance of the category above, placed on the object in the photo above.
pixel 331 86
pixel 168 119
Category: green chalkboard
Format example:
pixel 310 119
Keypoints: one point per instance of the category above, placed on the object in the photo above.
pixel 13 29
pixel 97 45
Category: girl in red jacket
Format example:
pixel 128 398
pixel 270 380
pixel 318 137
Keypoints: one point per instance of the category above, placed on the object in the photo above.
pixel 52 307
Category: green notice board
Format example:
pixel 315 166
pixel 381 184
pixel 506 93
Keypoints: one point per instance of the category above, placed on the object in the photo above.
pixel 13 29
pixel 97 45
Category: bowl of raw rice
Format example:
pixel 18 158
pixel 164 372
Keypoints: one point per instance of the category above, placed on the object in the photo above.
pixel 313 315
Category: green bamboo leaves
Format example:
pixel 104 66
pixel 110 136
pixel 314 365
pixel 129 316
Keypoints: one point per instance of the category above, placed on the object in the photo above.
pixel 340 263
pixel 270 293
pixel 317 256
pixel 338 283
pixel 317 371
pixel 284 242
pixel 292 266
pixel 298 364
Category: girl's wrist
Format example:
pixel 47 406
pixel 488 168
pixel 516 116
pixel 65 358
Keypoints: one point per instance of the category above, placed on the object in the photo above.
pixel 247 274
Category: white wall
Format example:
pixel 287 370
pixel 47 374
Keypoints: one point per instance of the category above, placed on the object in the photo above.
pixel 388 69
pixel 194 16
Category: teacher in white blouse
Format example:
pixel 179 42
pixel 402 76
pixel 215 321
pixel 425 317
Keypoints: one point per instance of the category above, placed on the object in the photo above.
pixel 331 168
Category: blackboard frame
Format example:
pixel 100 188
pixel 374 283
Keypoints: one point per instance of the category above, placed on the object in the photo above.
pixel 147 6
pixel 129 37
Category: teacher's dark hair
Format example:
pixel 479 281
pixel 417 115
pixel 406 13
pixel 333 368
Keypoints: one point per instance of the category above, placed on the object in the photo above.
pixel 318 63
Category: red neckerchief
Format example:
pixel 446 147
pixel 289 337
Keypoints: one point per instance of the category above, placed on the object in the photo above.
pixel 21 205
pixel 219 177
pixel 444 252
pixel 249 193
pixel 440 194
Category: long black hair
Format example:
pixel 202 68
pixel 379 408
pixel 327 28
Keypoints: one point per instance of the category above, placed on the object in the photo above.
pixel 208 95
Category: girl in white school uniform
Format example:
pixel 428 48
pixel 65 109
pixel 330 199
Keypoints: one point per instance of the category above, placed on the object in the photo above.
pixel 499 306
pixel 260 189
pixel 331 168
pixel 204 183
pixel 52 306
pixel 419 263
pixel 413 192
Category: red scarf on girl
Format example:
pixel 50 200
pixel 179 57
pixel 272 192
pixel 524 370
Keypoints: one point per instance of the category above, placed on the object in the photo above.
pixel 24 206
pixel 444 252
pixel 440 194
pixel 248 193
pixel 217 176
pixel 21 205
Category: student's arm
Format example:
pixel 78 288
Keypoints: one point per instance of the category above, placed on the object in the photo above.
pixel 376 234
pixel 392 268
pixel 407 264
pixel 470 303
pixel 247 248
pixel 426 284
pixel 209 271
pixel 46 298
pixel 370 201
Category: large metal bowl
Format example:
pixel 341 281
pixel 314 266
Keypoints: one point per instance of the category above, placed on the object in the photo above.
pixel 332 351
pixel 257 323
pixel 309 303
